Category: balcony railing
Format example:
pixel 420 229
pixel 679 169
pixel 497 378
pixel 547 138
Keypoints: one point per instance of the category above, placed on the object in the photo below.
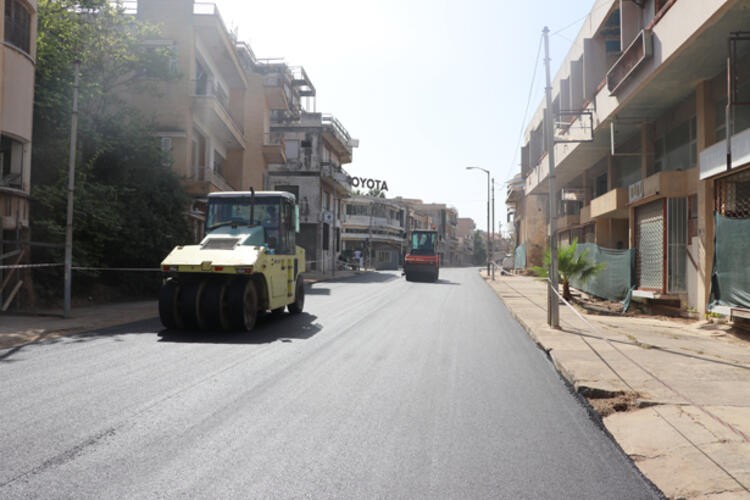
pixel 612 204
pixel 567 221
pixel 274 149
pixel 216 114
pixel 207 175
pixel 672 184
pixel 336 173
pixel 13 181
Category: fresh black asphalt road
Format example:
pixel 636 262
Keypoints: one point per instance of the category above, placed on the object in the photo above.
pixel 380 389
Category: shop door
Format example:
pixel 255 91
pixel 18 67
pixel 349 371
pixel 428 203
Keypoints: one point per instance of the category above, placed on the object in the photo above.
pixel 650 245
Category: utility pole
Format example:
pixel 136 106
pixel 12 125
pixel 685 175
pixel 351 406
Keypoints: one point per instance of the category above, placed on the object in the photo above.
pixel 489 222
pixel 492 233
pixel 71 189
pixel 553 311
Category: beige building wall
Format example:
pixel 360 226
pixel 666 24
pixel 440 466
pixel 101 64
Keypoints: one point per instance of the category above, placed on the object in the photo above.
pixel 257 127
pixel 17 67
pixel 17 73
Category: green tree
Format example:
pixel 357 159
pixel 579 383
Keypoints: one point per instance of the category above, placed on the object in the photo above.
pixel 129 207
pixel 569 266
pixel 480 248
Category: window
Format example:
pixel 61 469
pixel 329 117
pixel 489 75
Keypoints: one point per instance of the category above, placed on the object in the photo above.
pixel 158 59
pixel 741 113
pixel 11 162
pixel 600 185
pixel 218 163
pixel 202 78
pixel 166 151
pixel 291 148
pixel 18 25
pixel 676 150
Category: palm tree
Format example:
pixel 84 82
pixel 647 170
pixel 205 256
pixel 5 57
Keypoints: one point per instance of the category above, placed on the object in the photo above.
pixel 570 266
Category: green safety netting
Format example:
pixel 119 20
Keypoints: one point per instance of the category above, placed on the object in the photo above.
pixel 615 280
pixel 519 260
pixel 730 282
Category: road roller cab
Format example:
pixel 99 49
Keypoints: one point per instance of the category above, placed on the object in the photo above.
pixel 422 262
pixel 248 263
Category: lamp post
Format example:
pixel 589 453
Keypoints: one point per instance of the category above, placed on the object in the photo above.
pixel 489 243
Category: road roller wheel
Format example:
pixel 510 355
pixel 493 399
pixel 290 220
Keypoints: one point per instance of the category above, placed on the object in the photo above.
pixel 299 296
pixel 243 304
pixel 188 302
pixel 212 308
pixel 168 305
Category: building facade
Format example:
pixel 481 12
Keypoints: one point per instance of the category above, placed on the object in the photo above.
pixel 639 108
pixel 201 114
pixel 465 228
pixel 376 228
pixel 17 69
pixel 230 121
pixel 317 147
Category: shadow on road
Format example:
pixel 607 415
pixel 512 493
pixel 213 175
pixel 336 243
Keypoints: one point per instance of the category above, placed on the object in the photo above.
pixel 438 282
pixel 269 328
pixel 316 289
pixel 367 278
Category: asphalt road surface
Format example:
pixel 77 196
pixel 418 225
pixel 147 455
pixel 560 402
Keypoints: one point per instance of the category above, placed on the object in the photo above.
pixel 380 389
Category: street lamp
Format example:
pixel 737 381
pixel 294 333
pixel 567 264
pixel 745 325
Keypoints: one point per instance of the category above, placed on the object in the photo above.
pixel 489 242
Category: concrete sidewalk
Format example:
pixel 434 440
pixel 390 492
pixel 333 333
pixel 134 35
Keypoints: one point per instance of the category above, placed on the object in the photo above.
pixel 19 330
pixel 675 394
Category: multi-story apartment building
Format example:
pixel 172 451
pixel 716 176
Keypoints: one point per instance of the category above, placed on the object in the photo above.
pixel 645 86
pixel 17 67
pixel 465 228
pixel 316 148
pixel 376 227
pixel 230 121
pixel 203 114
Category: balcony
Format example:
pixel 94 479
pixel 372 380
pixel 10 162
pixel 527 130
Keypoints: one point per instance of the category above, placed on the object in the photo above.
pixel 613 204
pixel 585 216
pixel 277 91
pixel 204 181
pixel 672 184
pixel 210 110
pixel 336 174
pixel 302 82
pixel 372 222
pixel 632 58
pixel 567 221
pixel 274 150
pixel 16 209
pixel 713 160
pixel 338 138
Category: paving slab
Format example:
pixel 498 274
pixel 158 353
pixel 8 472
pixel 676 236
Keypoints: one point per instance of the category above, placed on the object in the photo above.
pixel 688 427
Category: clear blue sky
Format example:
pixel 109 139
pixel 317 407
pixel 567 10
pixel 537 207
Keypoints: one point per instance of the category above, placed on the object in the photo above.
pixel 427 86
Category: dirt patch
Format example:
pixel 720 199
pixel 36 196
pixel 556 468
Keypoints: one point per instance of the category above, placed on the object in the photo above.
pixel 606 402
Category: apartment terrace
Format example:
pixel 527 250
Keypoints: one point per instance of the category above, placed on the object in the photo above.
pixel 658 68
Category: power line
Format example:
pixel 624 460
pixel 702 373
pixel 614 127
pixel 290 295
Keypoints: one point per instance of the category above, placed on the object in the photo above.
pixel 526 111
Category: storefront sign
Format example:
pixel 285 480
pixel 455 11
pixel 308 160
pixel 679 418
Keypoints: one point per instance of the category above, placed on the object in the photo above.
pixel 369 183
